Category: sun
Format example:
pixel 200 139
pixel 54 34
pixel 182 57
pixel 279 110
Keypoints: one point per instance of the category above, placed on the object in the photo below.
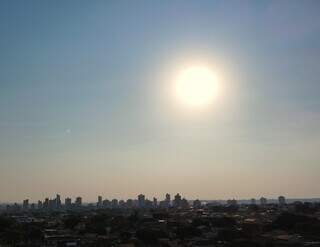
pixel 196 86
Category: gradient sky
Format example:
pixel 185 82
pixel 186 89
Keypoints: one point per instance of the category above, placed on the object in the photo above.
pixel 85 107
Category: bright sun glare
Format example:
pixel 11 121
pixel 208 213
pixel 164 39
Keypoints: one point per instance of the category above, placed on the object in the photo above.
pixel 196 86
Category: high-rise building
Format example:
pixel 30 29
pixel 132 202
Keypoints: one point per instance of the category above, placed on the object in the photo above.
pixel 282 200
pixel 58 201
pixel 167 202
pixel 130 203
pixel 67 203
pixel 106 203
pixel 16 207
pixel 177 200
pixel 155 202
pixel 114 203
pixel 141 201
pixel 197 203
pixel 168 198
pixel 46 203
pixel 52 204
pixel 122 203
pixel 263 201
pixel 40 204
pixel 78 202
pixel 25 204
pixel 99 203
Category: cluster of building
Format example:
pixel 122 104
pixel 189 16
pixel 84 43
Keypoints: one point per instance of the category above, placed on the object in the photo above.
pixel 169 223
pixel 47 204
pixel 140 202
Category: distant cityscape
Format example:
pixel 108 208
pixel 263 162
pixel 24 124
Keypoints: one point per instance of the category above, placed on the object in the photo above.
pixel 140 202
pixel 170 222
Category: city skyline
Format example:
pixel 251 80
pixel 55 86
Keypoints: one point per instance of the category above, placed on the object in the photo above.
pixel 167 197
pixel 173 221
pixel 141 201
pixel 212 98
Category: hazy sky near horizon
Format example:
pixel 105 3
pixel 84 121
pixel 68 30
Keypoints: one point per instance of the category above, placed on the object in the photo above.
pixel 85 107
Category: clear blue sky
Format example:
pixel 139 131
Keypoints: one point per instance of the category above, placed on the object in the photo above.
pixel 84 108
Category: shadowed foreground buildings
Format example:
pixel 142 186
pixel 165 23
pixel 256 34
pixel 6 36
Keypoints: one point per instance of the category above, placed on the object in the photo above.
pixel 143 222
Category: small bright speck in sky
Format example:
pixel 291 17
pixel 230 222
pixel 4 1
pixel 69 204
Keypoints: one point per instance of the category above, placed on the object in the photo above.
pixel 196 86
